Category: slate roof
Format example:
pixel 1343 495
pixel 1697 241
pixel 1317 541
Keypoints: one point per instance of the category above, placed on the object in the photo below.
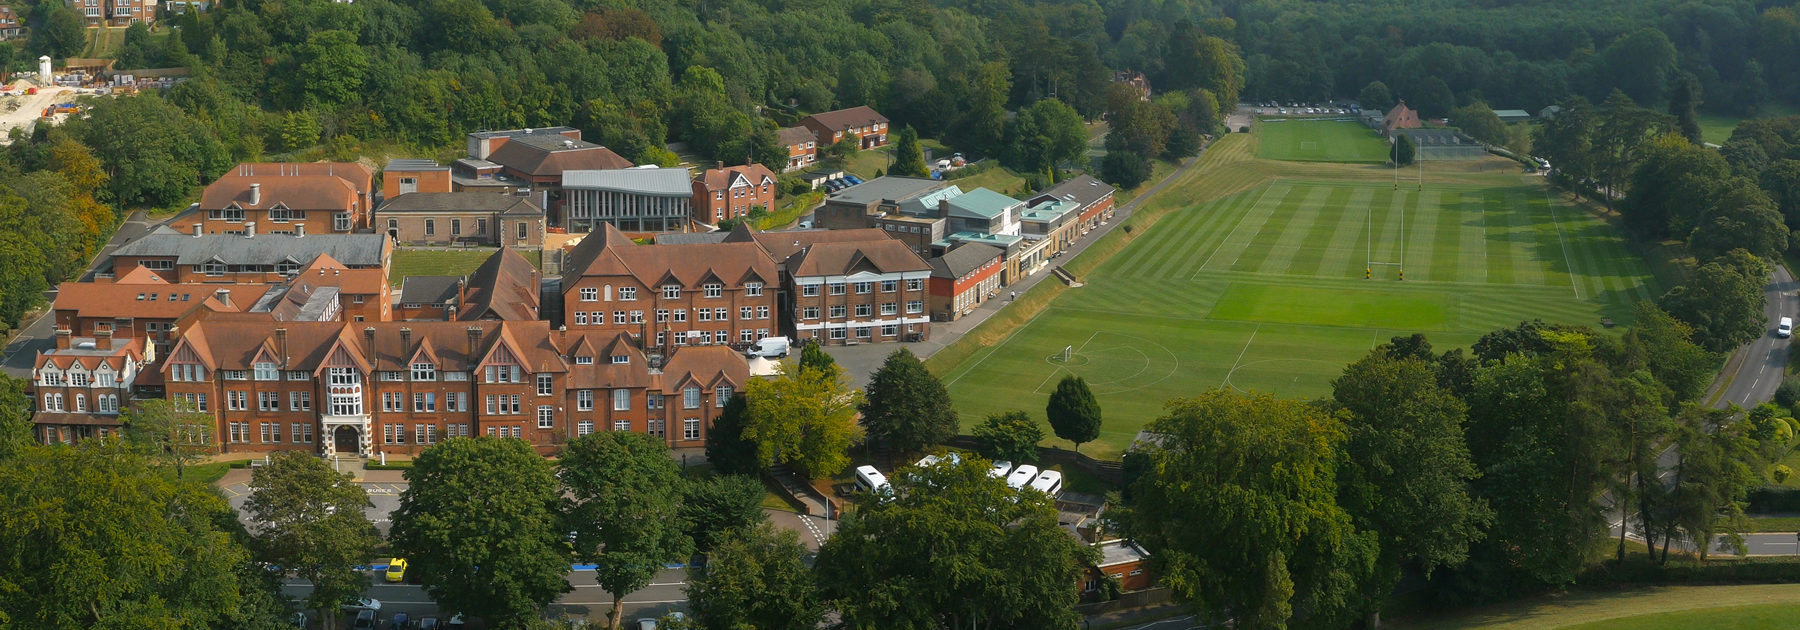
pixel 453 202
pixel 1082 189
pixel 839 120
pixel 888 189
pixel 659 182
pixel 958 262
pixel 358 176
pixel 429 289
pixel 790 136
pixel 355 250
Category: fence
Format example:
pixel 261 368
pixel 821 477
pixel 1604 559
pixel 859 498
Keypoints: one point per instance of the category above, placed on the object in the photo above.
pixel 1134 599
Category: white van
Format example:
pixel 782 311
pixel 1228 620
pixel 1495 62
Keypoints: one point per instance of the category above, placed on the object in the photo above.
pixel 1021 476
pixel 870 480
pixel 1000 469
pixel 1786 328
pixel 1048 482
pixel 769 347
pixel 928 460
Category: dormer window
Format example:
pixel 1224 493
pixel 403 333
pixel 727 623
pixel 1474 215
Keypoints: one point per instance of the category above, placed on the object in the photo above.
pixel 424 372
pixel 266 371
pixel 50 379
pixel 671 291
pixel 753 289
pixel 584 360
pixel 78 379
pixel 621 359
pixel 714 289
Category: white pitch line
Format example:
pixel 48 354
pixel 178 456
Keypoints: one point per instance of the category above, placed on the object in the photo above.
pixel 1240 356
pixel 1573 283
pixel 1233 232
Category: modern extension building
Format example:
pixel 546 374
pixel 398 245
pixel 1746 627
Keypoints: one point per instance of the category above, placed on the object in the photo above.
pixel 633 200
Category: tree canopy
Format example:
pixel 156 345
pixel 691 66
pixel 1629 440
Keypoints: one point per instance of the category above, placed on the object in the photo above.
pixel 1073 412
pixel 804 418
pixel 624 507
pixel 906 407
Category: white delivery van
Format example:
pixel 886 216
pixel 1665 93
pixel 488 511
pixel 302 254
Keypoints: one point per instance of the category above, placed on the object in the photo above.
pixel 1021 476
pixel 1048 482
pixel 769 347
pixel 1785 329
pixel 870 480
pixel 1000 469
pixel 928 460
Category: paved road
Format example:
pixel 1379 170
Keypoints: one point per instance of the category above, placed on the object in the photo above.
pixel 37 335
pixel 1761 363
pixel 667 592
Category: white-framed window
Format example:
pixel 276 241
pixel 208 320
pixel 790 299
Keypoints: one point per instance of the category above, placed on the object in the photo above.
pixel 621 359
pixel 703 314
pixel 809 312
pixel 890 330
pixel 714 289
pixel 655 427
pixel 621 425
pixel 753 289
pixel 746 335
pixel 915 306
pixel 298 375
pixel 888 286
pixel 745 312
pixel 425 402
pixel 809 290
pixel 864 287
pixel 838 311
pixel 721 394
pixel 268 401
pixel 580 318
pixel 690 398
pixel 584 360
pixel 721 314
pixel 546 384
pixel 393 375
pixel 618 317
pixel 584 400
pixel 839 333
pixel 237 375
pixel 590 294
pixel 424 372
pixel 621 400
pixel 546 416
pixel 662 316
pixel 584 427
pixel 690 429
pixel 837 288
pixel 864 310
pixel 671 291
pixel 627 294
pixel 915 284
pixel 890 308
pixel 341 222
pixel 456 376
pixel 637 317
pixel 265 371
pixel 237 400
pixel 680 315
pixel 299 401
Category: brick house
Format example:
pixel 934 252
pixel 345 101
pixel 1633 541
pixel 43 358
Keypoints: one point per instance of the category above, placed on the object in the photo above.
pixel 867 126
pixel 142 305
pixel 1122 560
pixel 429 298
pixel 128 12
pixel 405 175
pixel 362 294
pixel 369 389
pixel 670 295
pixel 533 159
pixel 1400 117
pixel 802 147
pixel 10 24
pixel 196 257
pixel 728 193
pixel 963 278
pixel 462 218
pixel 79 386
pixel 847 286
pixel 317 198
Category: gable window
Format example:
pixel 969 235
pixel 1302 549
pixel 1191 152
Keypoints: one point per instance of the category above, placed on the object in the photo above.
pixel 620 359
pixel 266 371
pixel 714 289
pixel 753 289
pixel 584 360
pixel 671 291
pixel 721 395
pixel 424 372
pixel 690 398
pixel 211 269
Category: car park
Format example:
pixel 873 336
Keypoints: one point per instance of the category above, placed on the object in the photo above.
pixel 365 620
pixel 396 570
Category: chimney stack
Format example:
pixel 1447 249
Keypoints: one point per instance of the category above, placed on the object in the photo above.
pixel 198 231
pixel 255 194
pixel 719 164
pixel 250 229
pixel 405 340
pixel 103 340
pixel 474 342
pixel 300 230
pixel 369 345
pixel 224 296
pixel 281 341
pixel 62 338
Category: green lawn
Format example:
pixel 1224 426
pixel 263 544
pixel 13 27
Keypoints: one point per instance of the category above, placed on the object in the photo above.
pixel 426 262
pixel 1319 141
pixel 1749 607
pixel 996 178
pixel 1717 128
pixel 1248 274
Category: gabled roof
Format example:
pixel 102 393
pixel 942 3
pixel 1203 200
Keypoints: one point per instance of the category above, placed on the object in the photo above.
pixel 784 244
pixel 839 120
pixel 504 287
pixel 149 301
pixel 958 262
pixel 356 250
pixel 327 271
pixel 83 353
pixel 709 366
pixel 846 258
pixel 790 136
pixel 298 192
pixel 429 289
pixel 360 178
pixel 715 179
pixel 452 202
pixel 607 252
pixel 230 341
pixel 603 373
pixel 552 154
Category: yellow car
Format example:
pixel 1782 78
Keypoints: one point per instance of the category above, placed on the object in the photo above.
pixel 396 570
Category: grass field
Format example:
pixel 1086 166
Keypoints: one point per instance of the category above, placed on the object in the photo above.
pixel 1252 277
pixel 430 262
pixel 1751 607
pixel 1300 140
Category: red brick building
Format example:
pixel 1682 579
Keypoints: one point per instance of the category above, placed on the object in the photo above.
pixel 79 386
pixel 963 278
pixel 1123 561
pixel 310 198
pixel 670 295
pixel 728 193
pixel 867 126
pixel 847 286
pixel 142 305
pixel 400 387
pixel 802 146
pixel 196 257
pixel 1400 117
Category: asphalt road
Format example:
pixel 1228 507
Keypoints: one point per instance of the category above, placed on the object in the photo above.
pixel 1764 360
pixel 667 592
pixel 37 334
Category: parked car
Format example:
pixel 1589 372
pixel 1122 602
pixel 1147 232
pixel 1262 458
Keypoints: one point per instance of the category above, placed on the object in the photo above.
pixel 365 620
pixel 1021 476
pixel 1000 468
pixel 1048 482
pixel 366 603
pixel 1785 329
pixel 429 623
pixel 396 570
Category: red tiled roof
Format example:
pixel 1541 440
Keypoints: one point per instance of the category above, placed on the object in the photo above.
pixel 842 119
pixel 715 179
pixel 150 301
pixel 300 192
pixel 609 253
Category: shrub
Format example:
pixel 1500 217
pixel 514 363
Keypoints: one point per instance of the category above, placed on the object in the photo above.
pixel 1788 394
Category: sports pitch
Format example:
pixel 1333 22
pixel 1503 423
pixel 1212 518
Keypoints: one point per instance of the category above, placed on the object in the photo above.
pixel 1304 140
pixel 1255 280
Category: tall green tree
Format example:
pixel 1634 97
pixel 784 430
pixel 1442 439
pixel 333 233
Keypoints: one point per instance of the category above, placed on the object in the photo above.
pixel 1480 122
pixel 1669 352
pixel 756 578
pixel 812 355
pixel 1403 151
pixel 311 523
pixel 625 509
pixel 15 416
pixel 1073 412
pixel 478 526
pixel 909 159
pixel 997 557
pixel 1674 187
pixel 1715 467
pixel 1009 436
pixel 805 418
pixel 1722 300
pixel 907 408
pixel 169 433
pixel 1237 507
pixel 61 34
pixel 1684 105
pixel 726 449
pixel 331 67
pixel 1124 169
pixel 1740 215
pixel 713 507
pixel 1376 96
pixel 1406 469
pixel 1045 135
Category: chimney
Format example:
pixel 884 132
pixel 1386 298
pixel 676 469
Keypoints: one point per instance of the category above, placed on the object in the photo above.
pixel 62 338
pixel 224 296
pixel 250 229
pixel 256 194
pixel 369 346
pixel 301 230
pixel 198 231
pixel 103 340
pixel 281 343
pixel 405 340
pixel 122 323
pixel 719 164
pixel 474 342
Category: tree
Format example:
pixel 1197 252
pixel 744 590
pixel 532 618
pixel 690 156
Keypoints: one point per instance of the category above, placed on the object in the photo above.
pixel 1722 300
pixel 997 557
pixel 625 509
pixel 1480 122
pixel 135 52
pixel 331 67
pixel 1375 96
pixel 168 432
pixel 1010 436
pixel 311 523
pixel 1406 469
pixel 94 538
pixel 1073 412
pixel 1684 105
pixel 1673 187
pixel 479 528
pixel 805 417
pixel 1781 180
pixel 1638 64
pixel 62 34
pixel 907 408
pixel 756 578
pixel 1403 151
pixel 843 148
pixel 1716 465
pixel 1740 215
pixel 1237 505
pixel 715 506
pixel 726 449
pixel 1670 353
pixel 153 152
pixel 15 417
pixel 1045 135
pixel 1124 169
pixel 909 160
